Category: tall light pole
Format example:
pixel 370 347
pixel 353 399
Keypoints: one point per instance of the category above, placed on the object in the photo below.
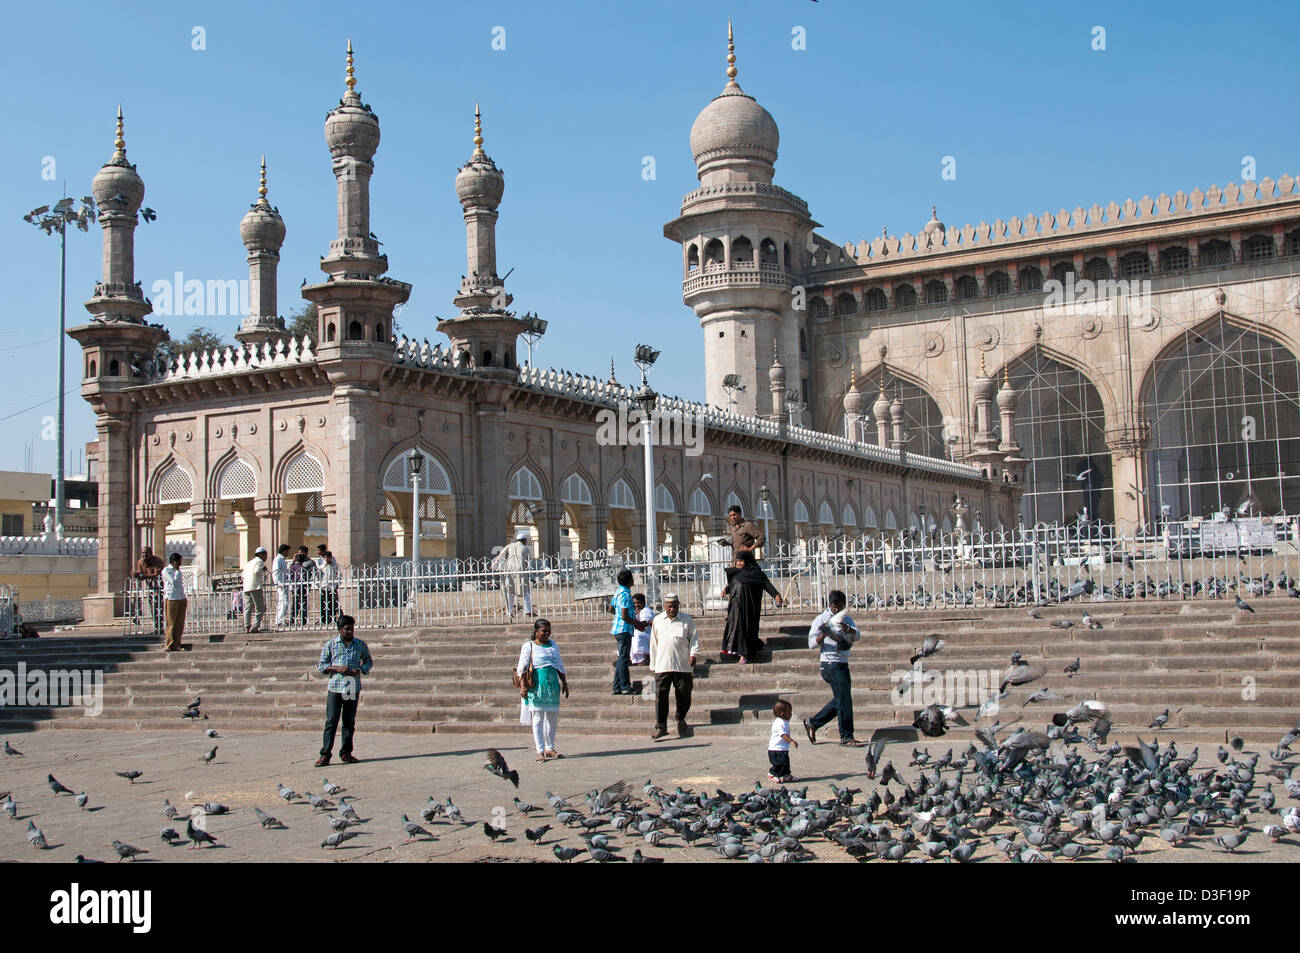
pixel 646 398
pixel 49 221
pixel 414 463
pixel 532 332
pixel 765 503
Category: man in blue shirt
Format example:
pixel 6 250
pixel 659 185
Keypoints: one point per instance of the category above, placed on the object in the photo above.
pixel 622 629
pixel 344 659
pixel 833 634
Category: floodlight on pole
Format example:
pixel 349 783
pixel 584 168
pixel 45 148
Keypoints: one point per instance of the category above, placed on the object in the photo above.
pixel 644 357
pixel 731 384
pixel 534 328
pixel 65 213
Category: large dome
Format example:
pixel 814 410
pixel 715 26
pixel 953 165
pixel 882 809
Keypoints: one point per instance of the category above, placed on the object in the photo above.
pixel 734 126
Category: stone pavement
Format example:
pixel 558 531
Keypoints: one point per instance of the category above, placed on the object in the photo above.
pixel 400 771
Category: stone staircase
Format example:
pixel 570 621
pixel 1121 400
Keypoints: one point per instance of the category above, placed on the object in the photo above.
pixel 1221 673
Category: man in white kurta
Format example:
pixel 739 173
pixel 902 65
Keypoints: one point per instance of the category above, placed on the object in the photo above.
pixel 674 644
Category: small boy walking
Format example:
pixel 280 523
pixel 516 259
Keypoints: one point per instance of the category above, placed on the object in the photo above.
pixel 778 745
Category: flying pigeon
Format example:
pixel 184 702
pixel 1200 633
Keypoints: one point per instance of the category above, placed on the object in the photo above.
pixel 931 646
pixel 497 765
pixel 1022 674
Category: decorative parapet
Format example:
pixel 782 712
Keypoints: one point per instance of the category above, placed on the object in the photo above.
pixel 413 353
pixel 738 276
pixel 743 188
pixel 1031 227
pixel 281 352
pixel 69 546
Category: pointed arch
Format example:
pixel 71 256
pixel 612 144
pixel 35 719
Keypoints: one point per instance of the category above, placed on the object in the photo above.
pixel 869 518
pixel 825 515
pixel 891 521
pixel 665 498
pixel 734 498
pixel 171 483
pixel 924 410
pixel 280 472
pixel 622 494
pixel 1026 356
pixel 701 504
pixel 235 480
pixel 576 489
pixel 801 511
pixel 435 479
pixel 849 517
pixel 525 484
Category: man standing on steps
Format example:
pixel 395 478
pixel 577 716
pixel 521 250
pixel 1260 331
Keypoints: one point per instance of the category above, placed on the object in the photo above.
pixel 833 633
pixel 745 534
pixel 674 644
pixel 255 591
pixel 280 579
pixel 622 629
pixel 344 659
pixel 174 602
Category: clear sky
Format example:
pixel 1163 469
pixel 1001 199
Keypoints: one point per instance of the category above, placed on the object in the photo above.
pixel 1034 116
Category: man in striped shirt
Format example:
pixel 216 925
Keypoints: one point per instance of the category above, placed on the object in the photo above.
pixel 344 659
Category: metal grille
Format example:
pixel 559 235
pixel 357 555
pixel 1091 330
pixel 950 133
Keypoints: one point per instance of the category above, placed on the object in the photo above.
pixel 175 486
pixel 305 475
pixel 734 500
pixel 800 511
pixel 574 489
pixel 700 505
pixel 665 502
pixel 433 476
pixel 524 485
pixel 238 481
pixel 849 516
pixel 825 515
pixel 620 496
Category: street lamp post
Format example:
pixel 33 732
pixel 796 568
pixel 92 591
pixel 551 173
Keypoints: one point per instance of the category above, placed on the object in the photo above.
pixel 415 463
pixel 533 330
pixel 765 501
pixel 49 221
pixel 646 398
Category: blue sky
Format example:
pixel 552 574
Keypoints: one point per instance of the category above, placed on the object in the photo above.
pixel 1035 117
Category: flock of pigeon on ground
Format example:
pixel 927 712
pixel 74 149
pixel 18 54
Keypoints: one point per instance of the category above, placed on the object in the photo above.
pixel 1031 796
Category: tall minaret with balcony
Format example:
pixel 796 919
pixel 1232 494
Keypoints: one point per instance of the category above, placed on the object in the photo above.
pixel 743 246
pixel 1013 464
pixel 984 452
pixel 117 352
pixel 262 231
pixel 484 328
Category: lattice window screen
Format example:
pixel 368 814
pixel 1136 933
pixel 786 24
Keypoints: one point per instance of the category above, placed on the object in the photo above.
pixel 825 514
pixel 433 476
pixel 800 511
pixel 620 496
pixel 700 505
pixel 575 489
pixel 665 502
pixel 524 485
pixel 175 486
pixel 305 475
pixel 238 482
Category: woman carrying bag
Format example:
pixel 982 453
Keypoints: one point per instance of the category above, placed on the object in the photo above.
pixel 541 681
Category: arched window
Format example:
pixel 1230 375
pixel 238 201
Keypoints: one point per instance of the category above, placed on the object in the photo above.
pixel 769 256
pixel 1031 278
pixel 891 521
pixel 1293 242
pixel 330 332
pixel 93 369
pixel 998 283
pixel 966 287
pixel 700 503
pixel 869 519
pixel 1135 264
pixel 356 332
pixel 825 515
pixel 433 475
pixel 1216 252
pixel 238 482
pixel 713 253
pixel 1062 270
pixel 800 511
pixel 733 499
pixel 742 251
pixel 1175 258
pixel 820 309
pixel 904 296
pixel 665 502
pixel 524 485
pixel 487 359
pixel 875 300
pixel 620 496
pixel 845 303
pixel 114 369
pixel 849 517
pixel 1258 248
pixel 921 416
pixel 575 490
pixel 175 486
pixel 803 342
pixel 692 258
pixel 1097 269
pixel 936 292
pixel 304 475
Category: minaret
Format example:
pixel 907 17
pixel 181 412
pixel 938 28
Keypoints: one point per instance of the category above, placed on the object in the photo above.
pixel 984 446
pixel 1013 465
pixel 262 231
pixel 484 326
pixel 743 245
pixel 118 352
pixel 354 305
pixel 854 403
pixel 896 417
pixel 880 411
pixel 776 385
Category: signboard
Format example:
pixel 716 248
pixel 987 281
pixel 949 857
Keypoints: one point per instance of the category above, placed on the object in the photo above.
pixel 596 578
pixel 1251 533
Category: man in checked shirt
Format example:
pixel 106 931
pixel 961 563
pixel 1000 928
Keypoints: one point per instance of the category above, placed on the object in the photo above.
pixel 344 659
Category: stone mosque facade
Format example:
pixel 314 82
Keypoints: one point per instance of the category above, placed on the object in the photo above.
pixel 278 440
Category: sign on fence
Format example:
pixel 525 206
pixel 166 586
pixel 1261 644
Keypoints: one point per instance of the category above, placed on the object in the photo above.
pixel 1252 534
pixel 596 578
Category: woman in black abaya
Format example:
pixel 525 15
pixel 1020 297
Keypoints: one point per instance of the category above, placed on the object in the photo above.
pixel 746 583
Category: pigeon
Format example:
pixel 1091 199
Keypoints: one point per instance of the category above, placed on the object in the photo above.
pixel 82 800
pixel 169 835
pixel 129 775
pixel 338 837
pixel 453 812
pixel 931 646
pixel 126 850
pixel 57 787
pixel 197 835
pixel 1072 669
pixel 329 787
pixel 535 834
pixel 209 756
pixel 318 803
pixel 211 732
pixel 566 854
pixel 266 820
pixel 497 765
pixel 1090 622
pixel 1243 605
pixel 83 859
pixel 1021 674
pixel 640 858
pixel 10 807
pixel 523 807
pixel 934 720
pixel 491 832
pixel 11 750
pixel 287 793
pixel 192 713
pixel 1063 624
pixel 414 830
pixel 1230 841
pixel 1161 720
pixel 339 823
pixel 193 706
pixel 600 855
pixel 169 810
pixel 346 810
pixel 1035 614
pixel 1043 695
pixel 35 836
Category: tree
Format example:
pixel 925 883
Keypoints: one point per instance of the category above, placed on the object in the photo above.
pixel 199 339
pixel 303 323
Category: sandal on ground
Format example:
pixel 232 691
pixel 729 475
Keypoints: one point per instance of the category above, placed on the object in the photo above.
pixel 323 761
pixel 541 758
pixel 553 754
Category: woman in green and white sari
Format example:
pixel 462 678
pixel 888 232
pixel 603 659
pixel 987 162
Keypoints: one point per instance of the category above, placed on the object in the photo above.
pixel 540 705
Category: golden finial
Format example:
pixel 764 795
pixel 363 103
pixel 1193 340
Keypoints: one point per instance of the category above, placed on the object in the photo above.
pixel 352 80
pixel 882 383
pixel 731 55
pixel 478 132
pixel 983 372
pixel 853 378
pixel 1006 375
pixel 261 189
pixel 119 143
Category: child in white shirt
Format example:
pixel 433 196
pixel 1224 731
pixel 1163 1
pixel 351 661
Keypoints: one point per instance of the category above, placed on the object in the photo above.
pixel 778 745
pixel 641 636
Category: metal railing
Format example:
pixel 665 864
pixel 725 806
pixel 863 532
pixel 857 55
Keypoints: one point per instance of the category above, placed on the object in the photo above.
pixel 907 570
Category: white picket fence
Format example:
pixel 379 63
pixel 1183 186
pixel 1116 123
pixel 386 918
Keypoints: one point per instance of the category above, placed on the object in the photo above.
pixel 1254 558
